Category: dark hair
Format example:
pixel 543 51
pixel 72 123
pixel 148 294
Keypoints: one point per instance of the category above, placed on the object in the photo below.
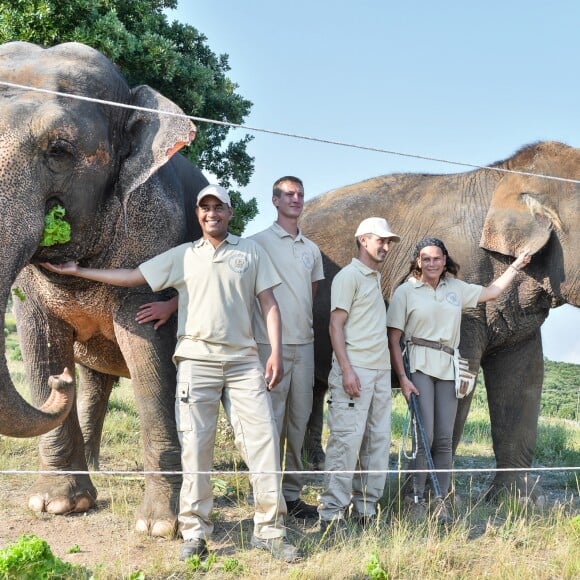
pixel 451 265
pixel 276 189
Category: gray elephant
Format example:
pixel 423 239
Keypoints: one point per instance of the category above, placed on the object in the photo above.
pixel 484 217
pixel 128 196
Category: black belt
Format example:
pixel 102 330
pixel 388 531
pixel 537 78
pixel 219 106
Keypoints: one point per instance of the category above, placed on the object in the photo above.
pixel 432 344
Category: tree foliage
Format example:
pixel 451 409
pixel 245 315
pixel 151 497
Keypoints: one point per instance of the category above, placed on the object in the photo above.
pixel 173 58
pixel 561 391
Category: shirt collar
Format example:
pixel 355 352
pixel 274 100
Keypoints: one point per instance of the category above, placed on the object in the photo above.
pixel 282 233
pixel 416 283
pixel 363 268
pixel 229 239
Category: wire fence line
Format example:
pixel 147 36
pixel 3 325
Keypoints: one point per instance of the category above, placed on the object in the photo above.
pixel 284 472
pixel 290 135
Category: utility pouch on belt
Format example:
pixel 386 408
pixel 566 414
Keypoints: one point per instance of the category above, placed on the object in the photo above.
pixel 464 378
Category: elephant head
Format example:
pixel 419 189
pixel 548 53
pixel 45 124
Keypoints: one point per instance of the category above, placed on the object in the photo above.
pixel 537 213
pixel 79 153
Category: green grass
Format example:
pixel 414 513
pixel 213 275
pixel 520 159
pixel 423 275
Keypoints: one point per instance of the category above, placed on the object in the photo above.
pixel 506 540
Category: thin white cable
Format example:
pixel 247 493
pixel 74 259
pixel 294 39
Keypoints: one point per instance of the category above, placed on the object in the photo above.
pixel 292 135
pixel 248 472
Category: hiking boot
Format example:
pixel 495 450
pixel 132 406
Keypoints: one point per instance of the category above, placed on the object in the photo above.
pixel 416 510
pixel 193 547
pixel 280 548
pixel 300 509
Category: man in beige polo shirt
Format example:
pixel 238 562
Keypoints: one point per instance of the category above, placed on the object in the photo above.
pixel 359 408
pixel 298 262
pixel 218 279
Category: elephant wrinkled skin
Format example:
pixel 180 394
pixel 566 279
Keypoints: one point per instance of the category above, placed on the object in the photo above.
pixel 128 196
pixel 485 218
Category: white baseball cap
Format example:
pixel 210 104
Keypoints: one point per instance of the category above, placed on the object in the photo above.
pixel 377 226
pixel 217 191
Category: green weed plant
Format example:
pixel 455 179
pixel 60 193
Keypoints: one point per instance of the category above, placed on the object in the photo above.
pixel 30 558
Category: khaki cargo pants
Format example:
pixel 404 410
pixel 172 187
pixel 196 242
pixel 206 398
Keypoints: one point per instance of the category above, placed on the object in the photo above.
pixel 360 438
pixel 240 386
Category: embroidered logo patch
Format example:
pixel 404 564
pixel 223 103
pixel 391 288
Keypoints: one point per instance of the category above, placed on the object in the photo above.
pixel 307 260
pixel 238 263
pixel 451 297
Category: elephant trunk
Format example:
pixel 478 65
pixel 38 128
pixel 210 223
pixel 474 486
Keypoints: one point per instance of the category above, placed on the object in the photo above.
pixel 17 417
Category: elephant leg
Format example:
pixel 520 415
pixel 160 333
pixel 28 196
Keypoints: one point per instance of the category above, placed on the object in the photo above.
pixel 313 439
pixel 463 406
pixel 46 349
pixel 513 379
pixel 92 400
pixel 473 343
pixel 148 355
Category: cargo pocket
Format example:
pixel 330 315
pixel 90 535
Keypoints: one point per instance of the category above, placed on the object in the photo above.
pixel 183 408
pixel 341 417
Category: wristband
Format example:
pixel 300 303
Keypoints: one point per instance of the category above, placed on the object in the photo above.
pixel 514 268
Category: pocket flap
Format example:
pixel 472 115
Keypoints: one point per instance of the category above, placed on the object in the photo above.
pixel 182 390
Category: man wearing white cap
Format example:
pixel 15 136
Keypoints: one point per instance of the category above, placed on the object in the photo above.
pixel 218 279
pixel 359 407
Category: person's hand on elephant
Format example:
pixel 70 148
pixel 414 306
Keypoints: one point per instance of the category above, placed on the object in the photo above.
pixel 158 312
pixel 523 259
pixel 501 284
pixel 68 268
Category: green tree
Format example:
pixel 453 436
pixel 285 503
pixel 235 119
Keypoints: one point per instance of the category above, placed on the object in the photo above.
pixel 173 58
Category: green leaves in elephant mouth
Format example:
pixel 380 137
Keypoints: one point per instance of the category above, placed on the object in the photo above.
pixel 56 229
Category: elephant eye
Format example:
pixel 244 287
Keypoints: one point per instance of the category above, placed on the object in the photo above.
pixel 59 155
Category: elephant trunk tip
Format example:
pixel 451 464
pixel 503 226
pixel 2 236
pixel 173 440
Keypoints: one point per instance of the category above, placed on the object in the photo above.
pixel 61 398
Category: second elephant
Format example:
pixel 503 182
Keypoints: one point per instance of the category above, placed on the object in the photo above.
pixel 484 217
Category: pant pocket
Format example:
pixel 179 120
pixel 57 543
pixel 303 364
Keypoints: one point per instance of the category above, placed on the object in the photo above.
pixel 183 407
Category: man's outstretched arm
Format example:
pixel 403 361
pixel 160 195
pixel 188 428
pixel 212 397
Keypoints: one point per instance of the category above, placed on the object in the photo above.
pixel 113 276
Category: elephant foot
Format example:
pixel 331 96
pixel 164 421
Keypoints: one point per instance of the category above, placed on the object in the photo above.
pixel 155 521
pixel 157 529
pixel 62 495
pixel 524 488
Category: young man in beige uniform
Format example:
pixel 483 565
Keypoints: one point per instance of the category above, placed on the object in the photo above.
pixel 359 408
pixel 218 279
pixel 298 262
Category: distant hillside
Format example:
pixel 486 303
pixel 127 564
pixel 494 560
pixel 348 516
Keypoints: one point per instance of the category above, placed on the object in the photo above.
pixel 561 393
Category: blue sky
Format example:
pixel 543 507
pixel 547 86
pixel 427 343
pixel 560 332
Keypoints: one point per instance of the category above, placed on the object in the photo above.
pixel 463 81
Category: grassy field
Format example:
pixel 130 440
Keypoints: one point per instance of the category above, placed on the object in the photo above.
pixel 503 540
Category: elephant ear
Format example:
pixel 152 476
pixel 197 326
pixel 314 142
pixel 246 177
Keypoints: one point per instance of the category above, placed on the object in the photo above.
pixel 517 218
pixel 151 138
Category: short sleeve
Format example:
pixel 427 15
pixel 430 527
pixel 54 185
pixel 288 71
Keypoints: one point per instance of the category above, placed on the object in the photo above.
pixel 317 270
pixel 266 275
pixel 343 290
pixel 397 310
pixel 470 295
pixel 166 269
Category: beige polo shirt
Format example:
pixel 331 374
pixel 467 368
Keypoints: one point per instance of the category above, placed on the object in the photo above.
pixel 217 292
pixel 433 314
pixel 357 290
pixel 298 262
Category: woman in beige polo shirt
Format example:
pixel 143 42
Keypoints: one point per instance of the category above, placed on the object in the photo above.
pixel 426 311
